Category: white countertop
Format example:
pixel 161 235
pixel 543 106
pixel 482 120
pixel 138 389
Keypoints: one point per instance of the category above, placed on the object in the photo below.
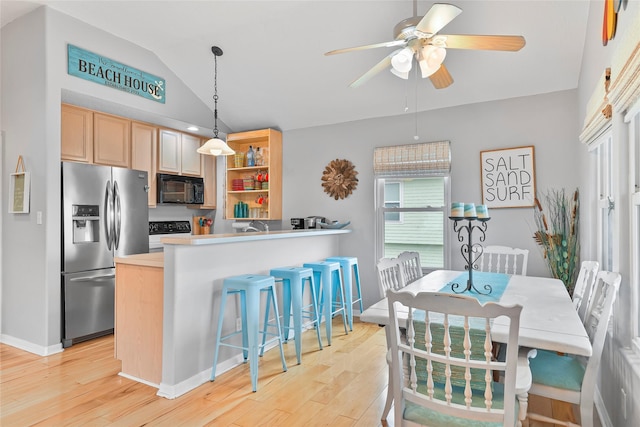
pixel 215 239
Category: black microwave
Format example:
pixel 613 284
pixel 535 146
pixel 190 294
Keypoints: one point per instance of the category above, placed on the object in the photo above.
pixel 184 190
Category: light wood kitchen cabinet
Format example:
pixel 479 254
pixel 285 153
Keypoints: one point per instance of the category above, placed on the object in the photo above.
pixel 139 303
pixel 77 134
pixel 177 153
pixel 209 175
pixel 264 201
pixel 111 140
pixel 144 140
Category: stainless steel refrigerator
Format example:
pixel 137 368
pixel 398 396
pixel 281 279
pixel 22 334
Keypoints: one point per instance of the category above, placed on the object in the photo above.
pixel 104 214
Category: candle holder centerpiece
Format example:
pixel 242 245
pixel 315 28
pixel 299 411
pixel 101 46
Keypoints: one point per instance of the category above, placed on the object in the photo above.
pixel 471 252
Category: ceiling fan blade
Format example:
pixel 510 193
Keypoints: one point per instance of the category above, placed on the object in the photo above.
pixel 441 78
pixel 386 62
pixel 481 42
pixel 368 46
pixel 437 17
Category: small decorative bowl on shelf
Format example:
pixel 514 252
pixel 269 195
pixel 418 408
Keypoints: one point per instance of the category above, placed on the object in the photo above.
pixel 335 225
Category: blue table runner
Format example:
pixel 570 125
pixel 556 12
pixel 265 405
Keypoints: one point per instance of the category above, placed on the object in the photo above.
pixel 497 281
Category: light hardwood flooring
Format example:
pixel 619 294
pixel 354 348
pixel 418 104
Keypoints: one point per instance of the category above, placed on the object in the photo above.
pixel 342 385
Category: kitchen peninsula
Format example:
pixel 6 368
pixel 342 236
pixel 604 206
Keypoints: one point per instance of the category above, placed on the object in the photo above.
pixel 187 281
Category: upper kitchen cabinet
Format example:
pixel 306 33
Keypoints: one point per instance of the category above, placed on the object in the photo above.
pixel 77 134
pixel 111 140
pixel 177 153
pixel 143 154
pixel 209 175
pixel 258 187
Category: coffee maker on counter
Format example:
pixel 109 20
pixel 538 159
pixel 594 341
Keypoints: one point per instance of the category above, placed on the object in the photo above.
pixel 308 222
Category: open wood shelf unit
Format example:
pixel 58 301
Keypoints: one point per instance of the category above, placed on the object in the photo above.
pixel 270 143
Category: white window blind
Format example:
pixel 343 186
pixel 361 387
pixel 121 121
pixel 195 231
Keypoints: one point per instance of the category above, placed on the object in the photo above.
pixel 424 159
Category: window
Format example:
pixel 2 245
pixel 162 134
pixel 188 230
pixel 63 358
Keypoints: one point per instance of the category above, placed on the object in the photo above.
pixel 412 191
pixel 422 210
pixel 633 121
pixel 605 200
pixel 392 199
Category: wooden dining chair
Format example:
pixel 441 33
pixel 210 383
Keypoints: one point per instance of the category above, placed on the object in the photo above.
pixel 389 278
pixel 389 275
pixel 442 372
pixel 571 378
pixel 503 259
pixel 410 267
pixel 584 286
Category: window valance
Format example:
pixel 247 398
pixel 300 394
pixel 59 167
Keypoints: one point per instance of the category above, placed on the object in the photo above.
pixel 429 158
pixel 625 69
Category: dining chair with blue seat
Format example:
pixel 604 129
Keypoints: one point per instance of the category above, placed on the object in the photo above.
pixel 584 286
pixel 443 370
pixel 410 267
pixel 570 378
pixel 503 259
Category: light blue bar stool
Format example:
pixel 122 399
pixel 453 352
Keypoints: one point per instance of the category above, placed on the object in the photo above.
pixel 293 282
pixel 249 287
pixel 327 275
pixel 349 263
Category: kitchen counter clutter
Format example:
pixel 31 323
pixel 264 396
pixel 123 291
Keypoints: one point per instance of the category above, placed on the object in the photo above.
pixel 167 303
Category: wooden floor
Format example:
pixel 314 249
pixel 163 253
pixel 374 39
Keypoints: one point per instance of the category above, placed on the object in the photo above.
pixel 342 385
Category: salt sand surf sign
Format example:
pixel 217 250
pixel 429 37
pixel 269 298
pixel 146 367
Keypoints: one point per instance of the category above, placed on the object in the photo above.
pixel 105 71
pixel 508 177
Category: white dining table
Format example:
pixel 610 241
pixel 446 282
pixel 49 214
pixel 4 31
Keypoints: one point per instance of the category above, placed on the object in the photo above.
pixel 548 320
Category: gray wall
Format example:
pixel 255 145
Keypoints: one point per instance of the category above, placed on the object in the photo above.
pixel 548 122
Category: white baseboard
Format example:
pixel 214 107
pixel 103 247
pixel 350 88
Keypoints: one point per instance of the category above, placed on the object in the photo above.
pixel 177 390
pixel 31 347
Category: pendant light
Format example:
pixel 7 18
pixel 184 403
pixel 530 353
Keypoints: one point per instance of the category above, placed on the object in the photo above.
pixel 215 146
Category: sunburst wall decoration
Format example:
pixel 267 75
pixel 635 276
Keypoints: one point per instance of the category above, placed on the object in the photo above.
pixel 339 178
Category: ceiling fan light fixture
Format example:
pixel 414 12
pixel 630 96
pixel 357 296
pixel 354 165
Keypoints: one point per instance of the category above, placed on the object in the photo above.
pixel 430 59
pixel 402 75
pixel 402 60
pixel 216 146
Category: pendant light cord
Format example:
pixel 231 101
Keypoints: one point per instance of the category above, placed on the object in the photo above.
pixel 215 96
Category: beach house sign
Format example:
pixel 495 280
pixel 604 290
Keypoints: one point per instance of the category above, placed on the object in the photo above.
pixel 102 70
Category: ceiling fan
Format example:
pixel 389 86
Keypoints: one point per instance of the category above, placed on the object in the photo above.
pixel 417 37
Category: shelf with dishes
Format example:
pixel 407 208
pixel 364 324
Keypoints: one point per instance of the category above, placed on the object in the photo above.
pixel 254 184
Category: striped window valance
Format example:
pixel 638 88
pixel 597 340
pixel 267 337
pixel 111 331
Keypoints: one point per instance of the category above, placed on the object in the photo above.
pixel 428 158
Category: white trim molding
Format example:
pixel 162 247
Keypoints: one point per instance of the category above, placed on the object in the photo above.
pixel 598 117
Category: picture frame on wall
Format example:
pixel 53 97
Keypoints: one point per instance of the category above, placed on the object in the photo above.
pixel 508 177
pixel 19 189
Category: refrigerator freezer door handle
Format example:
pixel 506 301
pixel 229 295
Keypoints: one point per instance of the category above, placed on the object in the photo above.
pixel 108 214
pixel 117 216
pixel 93 278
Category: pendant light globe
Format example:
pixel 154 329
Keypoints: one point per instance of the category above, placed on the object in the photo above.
pixel 216 146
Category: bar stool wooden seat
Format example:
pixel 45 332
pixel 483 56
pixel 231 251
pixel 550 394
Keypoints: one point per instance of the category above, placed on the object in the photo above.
pixel 249 287
pixel 327 275
pixel 349 263
pixel 293 281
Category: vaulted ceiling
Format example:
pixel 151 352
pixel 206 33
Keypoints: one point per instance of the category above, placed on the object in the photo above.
pixel 274 72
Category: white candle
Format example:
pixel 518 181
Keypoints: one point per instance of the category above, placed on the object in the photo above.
pixel 457 209
pixel 482 211
pixel 470 210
